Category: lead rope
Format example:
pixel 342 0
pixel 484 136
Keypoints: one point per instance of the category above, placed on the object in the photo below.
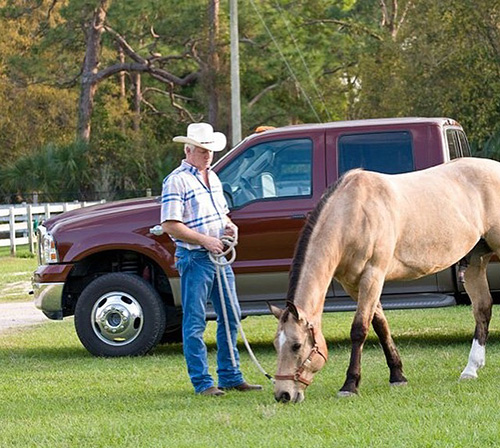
pixel 220 261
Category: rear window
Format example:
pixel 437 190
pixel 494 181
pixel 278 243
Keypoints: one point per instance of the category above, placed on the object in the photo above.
pixel 457 143
pixel 453 144
pixel 385 152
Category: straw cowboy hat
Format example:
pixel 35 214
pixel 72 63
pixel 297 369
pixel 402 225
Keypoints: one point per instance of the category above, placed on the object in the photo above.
pixel 203 136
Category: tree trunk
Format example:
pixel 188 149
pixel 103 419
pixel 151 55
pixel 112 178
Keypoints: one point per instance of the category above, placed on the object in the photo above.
pixel 392 20
pixel 89 71
pixel 123 84
pixel 137 101
pixel 213 63
pixel 121 76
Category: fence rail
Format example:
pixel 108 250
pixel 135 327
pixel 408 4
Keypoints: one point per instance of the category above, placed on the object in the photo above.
pixel 24 219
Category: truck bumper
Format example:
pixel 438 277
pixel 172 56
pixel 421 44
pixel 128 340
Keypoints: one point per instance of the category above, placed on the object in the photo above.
pixel 48 298
pixel 48 286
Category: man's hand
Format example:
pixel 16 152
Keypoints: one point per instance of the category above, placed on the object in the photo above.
pixel 231 229
pixel 182 232
pixel 213 245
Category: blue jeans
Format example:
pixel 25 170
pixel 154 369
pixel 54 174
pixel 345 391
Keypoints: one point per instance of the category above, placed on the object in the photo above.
pixel 198 285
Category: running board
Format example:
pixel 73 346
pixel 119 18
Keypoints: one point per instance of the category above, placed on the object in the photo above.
pixel 399 302
pixel 396 302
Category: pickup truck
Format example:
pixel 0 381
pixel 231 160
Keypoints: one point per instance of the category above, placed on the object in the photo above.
pixel 107 266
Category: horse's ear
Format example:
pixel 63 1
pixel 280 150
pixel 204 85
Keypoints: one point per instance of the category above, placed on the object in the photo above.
pixel 293 309
pixel 278 312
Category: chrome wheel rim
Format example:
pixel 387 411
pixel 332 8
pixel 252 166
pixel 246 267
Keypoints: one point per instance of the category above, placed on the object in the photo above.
pixel 117 318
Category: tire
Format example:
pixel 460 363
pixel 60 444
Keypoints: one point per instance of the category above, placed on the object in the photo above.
pixel 119 315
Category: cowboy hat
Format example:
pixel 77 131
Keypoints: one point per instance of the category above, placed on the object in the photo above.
pixel 203 136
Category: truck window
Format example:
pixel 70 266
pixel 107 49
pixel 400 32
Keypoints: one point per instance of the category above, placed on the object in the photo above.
pixel 464 144
pixel 453 143
pixel 457 143
pixel 385 152
pixel 269 171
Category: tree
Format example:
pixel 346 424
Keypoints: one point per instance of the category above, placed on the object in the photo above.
pixel 151 66
pixel 443 62
pixel 33 111
pixel 92 75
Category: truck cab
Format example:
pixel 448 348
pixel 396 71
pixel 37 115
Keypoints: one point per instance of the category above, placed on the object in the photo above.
pixel 277 177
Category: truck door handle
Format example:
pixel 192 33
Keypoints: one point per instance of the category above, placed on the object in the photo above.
pixel 298 216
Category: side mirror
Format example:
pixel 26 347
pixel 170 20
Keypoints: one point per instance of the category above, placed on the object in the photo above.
pixel 156 230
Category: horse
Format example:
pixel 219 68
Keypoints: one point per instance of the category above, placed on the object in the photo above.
pixel 371 227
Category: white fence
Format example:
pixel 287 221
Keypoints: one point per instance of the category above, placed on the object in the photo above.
pixel 21 220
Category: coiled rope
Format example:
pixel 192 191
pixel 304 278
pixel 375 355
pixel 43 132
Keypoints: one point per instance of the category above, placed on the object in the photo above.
pixel 221 261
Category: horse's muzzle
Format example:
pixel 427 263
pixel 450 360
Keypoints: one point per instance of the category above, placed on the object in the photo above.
pixel 285 397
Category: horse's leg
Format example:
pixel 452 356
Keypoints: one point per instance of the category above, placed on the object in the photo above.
pixel 370 288
pixel 381 327
pixel 476 285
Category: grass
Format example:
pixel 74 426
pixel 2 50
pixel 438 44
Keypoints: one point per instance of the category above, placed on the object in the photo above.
pixel 15 274
pixel 54 394
pixel 21 252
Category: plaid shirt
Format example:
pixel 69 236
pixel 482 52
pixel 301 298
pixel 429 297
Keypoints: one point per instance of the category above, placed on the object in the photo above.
pixel 187 199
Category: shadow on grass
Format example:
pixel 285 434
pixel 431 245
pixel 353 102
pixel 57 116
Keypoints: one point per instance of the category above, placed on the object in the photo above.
pixel 419 340
pixel 428 338
pixel 46 353
pixel 434 339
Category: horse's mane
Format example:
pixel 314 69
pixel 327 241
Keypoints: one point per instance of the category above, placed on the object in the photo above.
pixel 305 236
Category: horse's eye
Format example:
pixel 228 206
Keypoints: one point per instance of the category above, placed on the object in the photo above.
pixel 296 347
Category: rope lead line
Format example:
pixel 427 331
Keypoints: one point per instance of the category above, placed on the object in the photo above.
pixel 220 261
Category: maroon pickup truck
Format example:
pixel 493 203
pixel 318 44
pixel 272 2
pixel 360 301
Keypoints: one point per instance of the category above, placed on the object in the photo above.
pixel 107 266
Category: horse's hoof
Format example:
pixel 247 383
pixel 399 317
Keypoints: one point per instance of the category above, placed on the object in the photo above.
pixel 398 383
pixel 345 394
pixel 468 376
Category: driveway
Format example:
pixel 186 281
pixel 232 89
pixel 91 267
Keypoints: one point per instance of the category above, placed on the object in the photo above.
pixel 19 314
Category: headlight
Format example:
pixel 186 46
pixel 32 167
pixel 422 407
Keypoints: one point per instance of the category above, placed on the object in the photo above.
pixel 47 250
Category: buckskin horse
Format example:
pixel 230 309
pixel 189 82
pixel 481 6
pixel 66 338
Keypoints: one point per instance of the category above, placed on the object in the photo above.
pixel 369 228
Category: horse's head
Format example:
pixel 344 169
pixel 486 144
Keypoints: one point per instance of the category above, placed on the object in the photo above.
pixel 302 352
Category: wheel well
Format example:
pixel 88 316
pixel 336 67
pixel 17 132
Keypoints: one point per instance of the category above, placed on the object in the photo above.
pixel 96 265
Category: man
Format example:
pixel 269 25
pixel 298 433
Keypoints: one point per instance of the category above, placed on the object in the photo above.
pixel 194 214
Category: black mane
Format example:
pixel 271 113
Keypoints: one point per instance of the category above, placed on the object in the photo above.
pixel 303 241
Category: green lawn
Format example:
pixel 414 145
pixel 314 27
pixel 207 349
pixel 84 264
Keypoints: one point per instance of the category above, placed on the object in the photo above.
pixel 15 275
pixel 54 394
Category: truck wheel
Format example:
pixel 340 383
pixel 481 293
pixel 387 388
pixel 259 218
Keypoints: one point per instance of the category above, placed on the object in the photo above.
pixel 119 315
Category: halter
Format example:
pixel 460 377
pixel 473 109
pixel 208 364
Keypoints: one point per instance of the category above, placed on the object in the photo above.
pixel 297 376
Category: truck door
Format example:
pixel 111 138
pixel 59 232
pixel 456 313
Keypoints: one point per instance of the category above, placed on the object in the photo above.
pixel 389 152
pixel 270 187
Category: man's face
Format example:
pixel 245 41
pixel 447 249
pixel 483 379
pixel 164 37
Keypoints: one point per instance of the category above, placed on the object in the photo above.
pixel 199 158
